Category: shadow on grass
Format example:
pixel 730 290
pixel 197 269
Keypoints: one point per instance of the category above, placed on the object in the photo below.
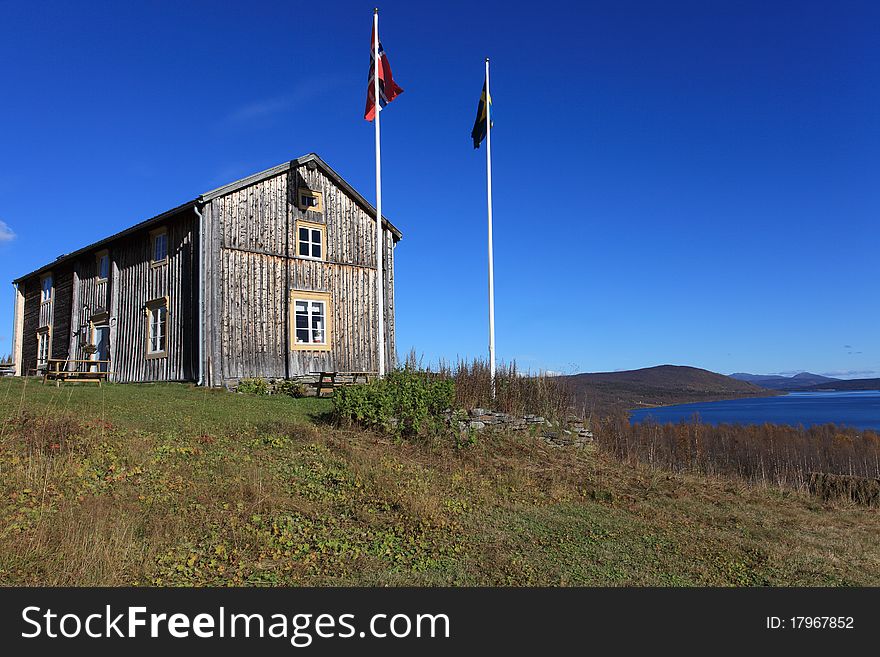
pixel 323 418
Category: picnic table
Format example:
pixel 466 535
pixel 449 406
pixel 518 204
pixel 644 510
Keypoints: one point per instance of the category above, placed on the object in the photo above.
pixel 331 380
pixel 94 371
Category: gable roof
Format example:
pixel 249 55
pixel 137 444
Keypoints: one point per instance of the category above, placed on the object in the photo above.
pixel 216 193
pixel 286 166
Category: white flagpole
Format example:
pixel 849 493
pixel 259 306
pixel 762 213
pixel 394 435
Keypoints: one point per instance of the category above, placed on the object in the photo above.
pixel 380 277
pixel 491 258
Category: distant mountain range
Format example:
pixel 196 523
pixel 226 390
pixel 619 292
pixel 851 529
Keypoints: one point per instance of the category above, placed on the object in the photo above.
pixel 806 382
pixel 800 381
pixel 847 384
pixel 602 392
pixel 656 386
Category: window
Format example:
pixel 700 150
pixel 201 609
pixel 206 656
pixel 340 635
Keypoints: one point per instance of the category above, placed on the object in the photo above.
pixel 42 348
pixel 311 324
pixel 310 240
pixel 307 199
pixel 103 261
pixel 45 300
pixel 159 239
pixel 46 288
pixel 157 327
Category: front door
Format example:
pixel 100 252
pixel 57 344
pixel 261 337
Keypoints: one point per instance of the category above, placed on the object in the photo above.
pixel 101 340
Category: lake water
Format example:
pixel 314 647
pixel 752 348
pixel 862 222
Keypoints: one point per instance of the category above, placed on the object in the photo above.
pixel 860 410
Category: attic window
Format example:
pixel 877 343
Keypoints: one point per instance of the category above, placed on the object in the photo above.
pixel 46 288
pixel 159 246
pixel 102 260
pixel 307 199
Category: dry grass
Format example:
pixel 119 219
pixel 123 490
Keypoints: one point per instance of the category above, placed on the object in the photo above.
pixel 261 495
pixel 768 454
pixel 516 392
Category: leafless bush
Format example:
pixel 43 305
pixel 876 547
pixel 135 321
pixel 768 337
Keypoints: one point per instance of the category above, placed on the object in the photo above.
pixel 766 454
pixel 516 392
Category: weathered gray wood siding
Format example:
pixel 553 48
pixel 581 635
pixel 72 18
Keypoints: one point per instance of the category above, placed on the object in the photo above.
pixel 31 324
pixel 63 300
pixel 58 319
pixel 133 281
pixel 91 297
pixel 250 233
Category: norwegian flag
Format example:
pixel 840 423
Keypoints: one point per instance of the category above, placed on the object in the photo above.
pixel 388 89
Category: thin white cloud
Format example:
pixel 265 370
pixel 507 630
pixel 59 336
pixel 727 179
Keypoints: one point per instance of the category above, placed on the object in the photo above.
pixel 6 233
pixel 260 109
pixel 267 108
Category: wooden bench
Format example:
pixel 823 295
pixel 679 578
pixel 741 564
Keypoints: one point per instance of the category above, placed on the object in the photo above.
pixel 56 370
pixel 325 380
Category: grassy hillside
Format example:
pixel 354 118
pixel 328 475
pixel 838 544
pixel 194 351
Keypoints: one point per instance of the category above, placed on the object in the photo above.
pixel 601 392
pixel 172 485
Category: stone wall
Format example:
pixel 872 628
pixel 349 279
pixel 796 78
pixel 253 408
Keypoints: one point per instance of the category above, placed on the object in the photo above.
pixel 481 419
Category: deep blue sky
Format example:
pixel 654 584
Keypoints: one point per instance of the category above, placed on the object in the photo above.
pixel 675 182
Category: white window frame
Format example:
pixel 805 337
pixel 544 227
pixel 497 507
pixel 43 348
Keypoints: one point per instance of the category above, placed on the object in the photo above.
pixel 155 236
pixel 157 317
pixel 44 344
pixel 47 298
pixel 46 295
pixel 312 301
pixel 314 229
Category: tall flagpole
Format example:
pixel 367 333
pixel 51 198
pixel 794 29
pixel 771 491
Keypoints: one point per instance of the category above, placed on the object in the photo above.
pixel 491 258
pixel 380 277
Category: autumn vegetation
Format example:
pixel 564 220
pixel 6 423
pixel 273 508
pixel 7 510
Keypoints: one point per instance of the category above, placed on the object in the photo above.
pixel 170 484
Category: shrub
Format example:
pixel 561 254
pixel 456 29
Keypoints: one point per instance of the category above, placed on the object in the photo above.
pixel 291 388
pixel 253 386
pixel 405 403
pixel 516 392
pixel 763 454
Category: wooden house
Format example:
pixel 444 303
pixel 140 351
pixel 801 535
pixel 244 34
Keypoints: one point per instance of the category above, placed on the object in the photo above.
pixel 270 276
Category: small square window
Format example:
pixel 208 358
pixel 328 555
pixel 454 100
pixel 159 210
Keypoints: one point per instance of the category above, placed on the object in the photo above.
pixel 307 199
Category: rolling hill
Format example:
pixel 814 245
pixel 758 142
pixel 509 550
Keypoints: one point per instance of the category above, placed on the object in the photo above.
pixel 656 386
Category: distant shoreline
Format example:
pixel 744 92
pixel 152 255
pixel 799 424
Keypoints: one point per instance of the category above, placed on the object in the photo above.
pixel 856 409
pixel 710 399
pixel 774 393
